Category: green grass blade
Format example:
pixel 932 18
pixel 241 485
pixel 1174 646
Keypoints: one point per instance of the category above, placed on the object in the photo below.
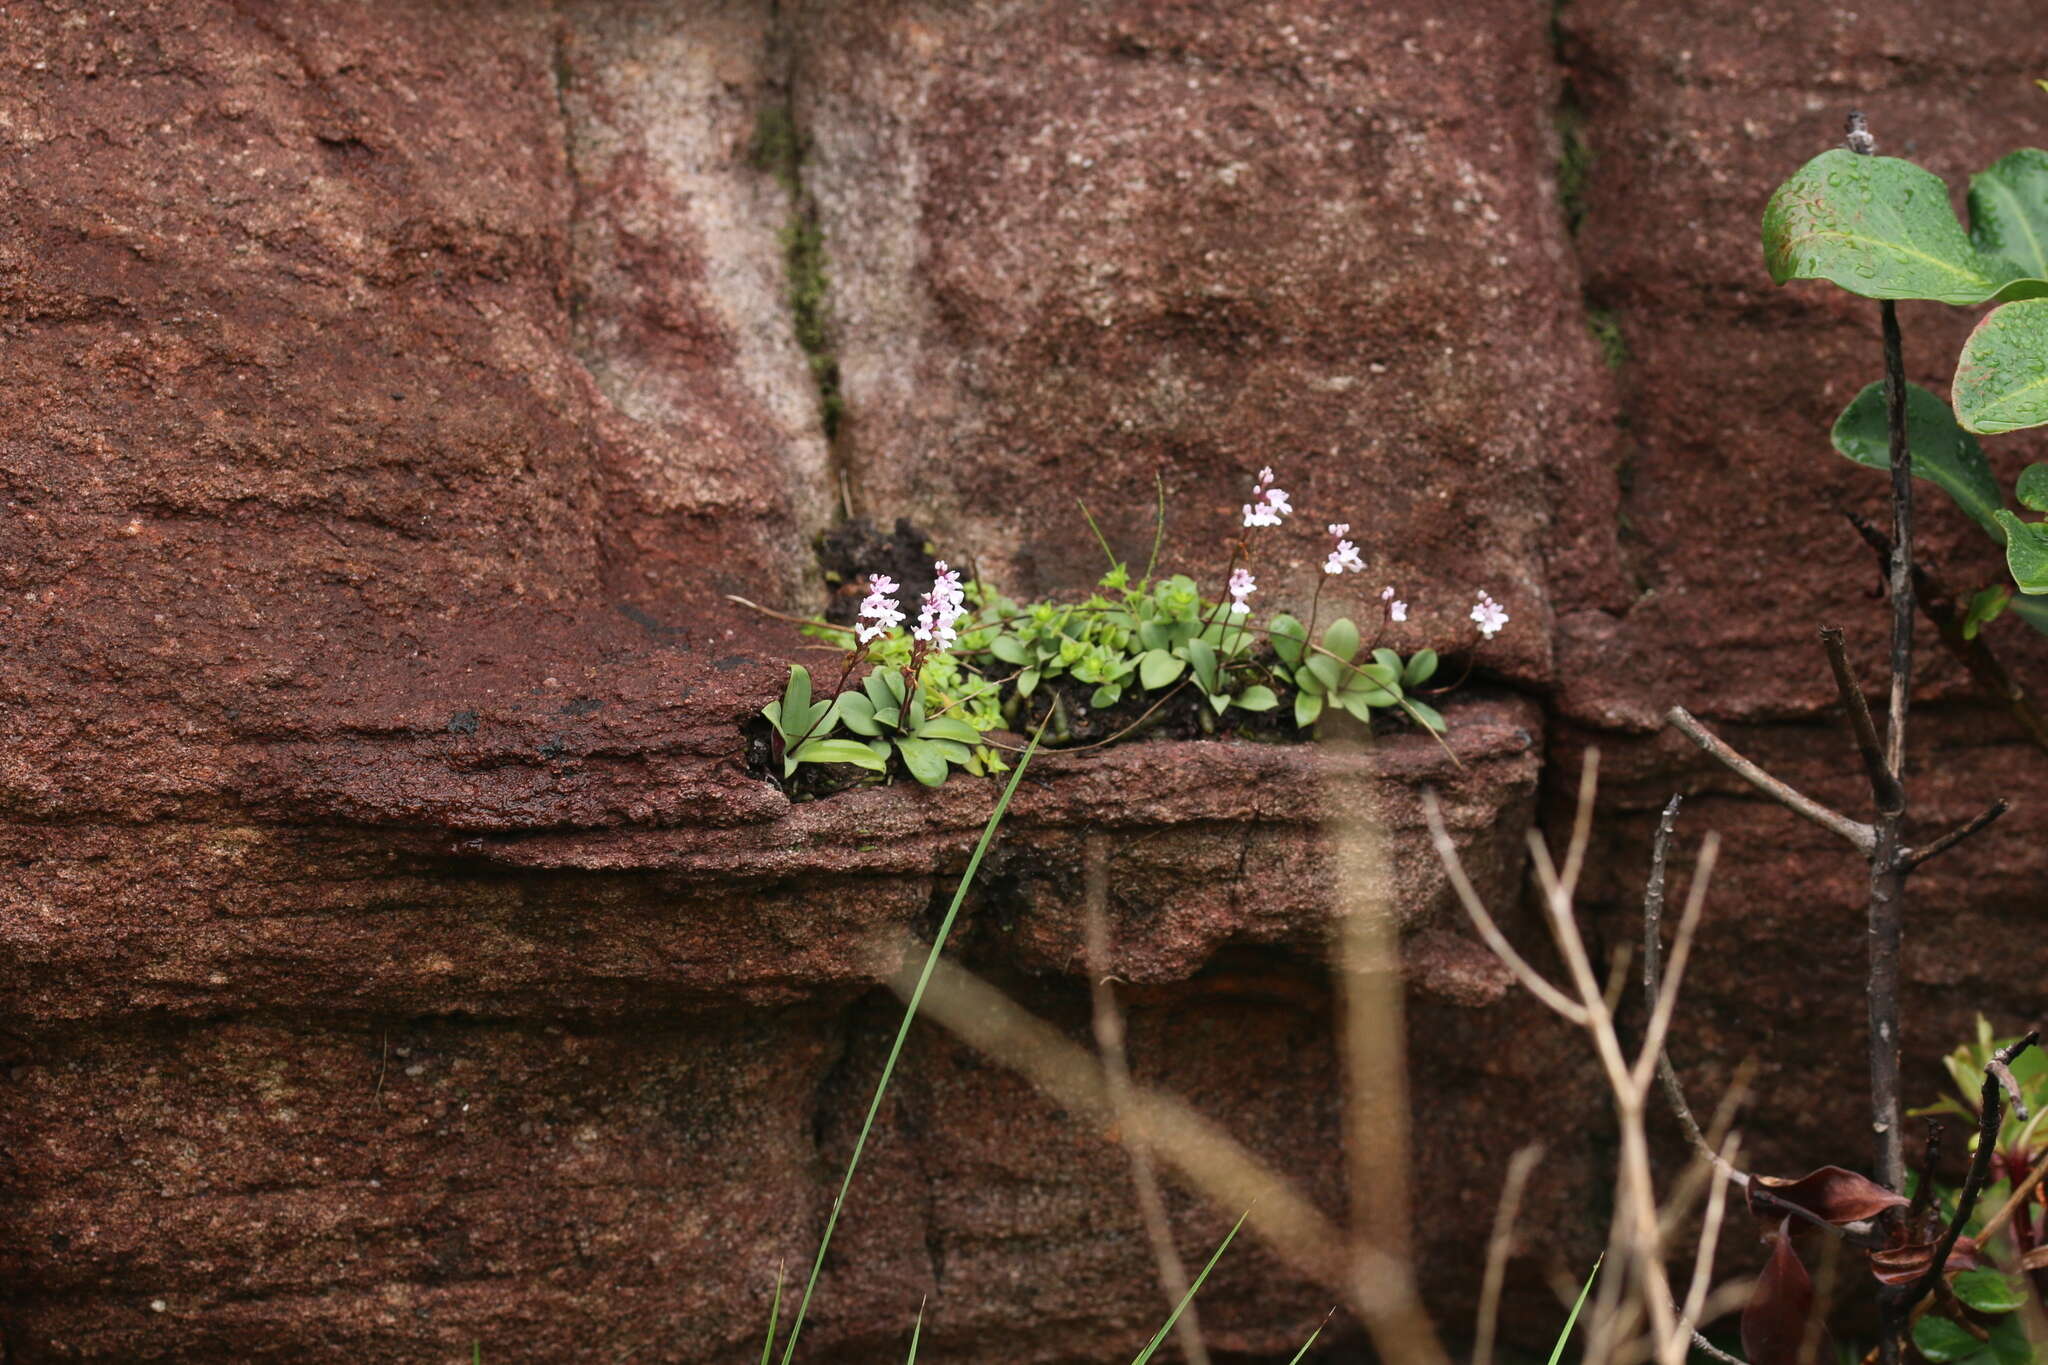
pixel 1564 1336
pixel 916 1330
pixel 774 1320
pixel 931 961
pixel 1193 1289
pixel 1311 1340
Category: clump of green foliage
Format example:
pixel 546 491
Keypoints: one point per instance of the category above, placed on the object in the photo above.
pixel 982 662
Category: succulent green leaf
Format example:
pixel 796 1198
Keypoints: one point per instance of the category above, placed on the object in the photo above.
pixel 1201 657
pixel 796 695
pixel 1357 705
pixel 2001 379
pixel 1157 668
pixel 1308 708
pixel 1987 1291
pixel 1421 667
pixel 2026 552
pixel 2009 211
pixel 1388 660
pixel 1027 682
pixel 1942 1341
pixel 1879 227
pixel 1010 650
pixel 1326 671
pixel 884 687
pixel 1154 635
pixel 926 761
pixel 1109 694
pixel 1341 638
pixel 1220 701
pixel 888 718
pixel 857 712
pixel 1289 637
pixel 773 711
pixel 2032 488
pixel 1258 697
pixel 839 751
pixel 1427 715
pixel 949 727
pixel 1942 452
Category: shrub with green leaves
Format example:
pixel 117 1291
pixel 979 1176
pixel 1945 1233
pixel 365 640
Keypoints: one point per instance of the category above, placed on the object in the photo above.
pixel 1883 228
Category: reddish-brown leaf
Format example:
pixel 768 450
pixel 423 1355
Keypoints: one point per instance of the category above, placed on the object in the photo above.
pixel 1903 1264
pixel 1774 1322
pixel 1831 1194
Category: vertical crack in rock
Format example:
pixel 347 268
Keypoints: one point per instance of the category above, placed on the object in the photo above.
pixel 780 146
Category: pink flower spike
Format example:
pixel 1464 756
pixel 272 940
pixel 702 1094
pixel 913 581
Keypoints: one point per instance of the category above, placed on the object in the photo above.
pixel 878 611
pixel 1340 529
pixel 1277 500
pixel 1397 611
pixel 944 605
pixel 1242 585
pixel 1266 476
pixel 1259 514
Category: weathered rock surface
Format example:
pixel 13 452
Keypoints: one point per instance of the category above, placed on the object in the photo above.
pixel 398 952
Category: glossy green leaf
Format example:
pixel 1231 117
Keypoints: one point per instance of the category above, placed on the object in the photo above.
pixel 1157 668
pixel 1201 657
pixel 2009 1343
pixel 1308 708
pixel 1389 660
pixel 1027 682
pixel 1421 667
pixel 856 711
pixel 839 751
pixel 1289 637
pixel 1942 452
pixel 884 687
pixel 2032 488
pixel 1109 694
pixel 2009 211
pixel 1341 638
pixel 949 727
pixel 1220 701
pixel 1258 697
pixel 1357 705
pixel 2002 375
pixel 926 761
pixel 1987 1291
pixel 2026 552
pixel 1879 227
pixel 1942 1341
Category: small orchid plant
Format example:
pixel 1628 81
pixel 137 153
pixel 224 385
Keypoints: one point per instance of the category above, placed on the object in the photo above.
pixel 975 663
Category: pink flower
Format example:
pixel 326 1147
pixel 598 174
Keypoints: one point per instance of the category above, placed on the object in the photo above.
pixel 1396 610
pixel 1340 529
pixel 878 611
pixel 1270 504
pixel 1242 586
pixel 944 605
pixel 1344 559
pixel 1489 614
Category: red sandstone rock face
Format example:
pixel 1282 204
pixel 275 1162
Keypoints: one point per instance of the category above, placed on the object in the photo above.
pixel 399 954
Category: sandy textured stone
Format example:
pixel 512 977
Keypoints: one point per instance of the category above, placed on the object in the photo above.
pixel 1191 240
